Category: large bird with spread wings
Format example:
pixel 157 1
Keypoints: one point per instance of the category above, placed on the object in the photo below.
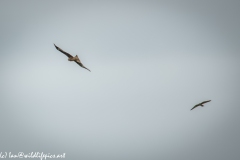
pixel 200 104
pixel 71 58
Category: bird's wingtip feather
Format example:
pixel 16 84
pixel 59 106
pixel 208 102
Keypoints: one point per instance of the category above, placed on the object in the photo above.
pixel 55 46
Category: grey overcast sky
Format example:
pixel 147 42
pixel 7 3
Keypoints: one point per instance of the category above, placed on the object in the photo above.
pixel 151 62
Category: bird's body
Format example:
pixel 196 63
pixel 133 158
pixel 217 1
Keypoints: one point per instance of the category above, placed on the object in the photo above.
pixel 200 104
pixel 71 58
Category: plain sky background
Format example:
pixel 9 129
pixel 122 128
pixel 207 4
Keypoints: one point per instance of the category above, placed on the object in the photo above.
pixel 151 62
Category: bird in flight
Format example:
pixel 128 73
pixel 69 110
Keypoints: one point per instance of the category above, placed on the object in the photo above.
pixel 71 58
pixel 200 104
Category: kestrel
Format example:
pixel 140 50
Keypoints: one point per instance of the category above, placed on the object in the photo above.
pixel 71 58
pixel 200 104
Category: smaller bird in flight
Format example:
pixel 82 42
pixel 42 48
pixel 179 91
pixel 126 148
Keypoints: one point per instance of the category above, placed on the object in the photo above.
pixel 71 58
pixel 200 104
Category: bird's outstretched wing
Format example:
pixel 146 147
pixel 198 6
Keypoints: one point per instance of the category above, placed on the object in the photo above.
pixel 195 106
pixel 80 64
pixel 67 54
pixel 206 101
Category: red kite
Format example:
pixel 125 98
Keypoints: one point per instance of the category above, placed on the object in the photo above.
pixel 200 104
pixel 71 58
